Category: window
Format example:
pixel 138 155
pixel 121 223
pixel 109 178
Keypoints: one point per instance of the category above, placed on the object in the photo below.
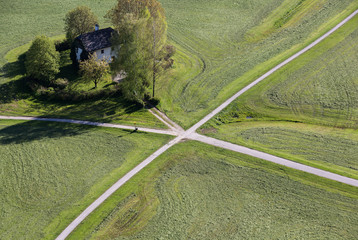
pixel 102 51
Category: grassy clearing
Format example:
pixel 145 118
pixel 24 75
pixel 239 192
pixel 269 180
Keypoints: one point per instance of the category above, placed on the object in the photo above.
pixel 238 41
pixel 331 149
pixel 320 87
pixel 200 192
pixel 50 172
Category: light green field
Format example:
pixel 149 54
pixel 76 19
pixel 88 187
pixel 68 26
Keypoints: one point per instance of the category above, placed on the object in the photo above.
pixel 331 149
pixel 196 191
pixel 320 87
pixel 50 172
pixel 237 41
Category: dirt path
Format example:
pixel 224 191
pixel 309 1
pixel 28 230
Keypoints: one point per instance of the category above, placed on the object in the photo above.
pixel 98 124
pixel 167 121
pixel 274 159
pixel 190 134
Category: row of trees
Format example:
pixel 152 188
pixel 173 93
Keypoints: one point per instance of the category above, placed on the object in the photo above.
pixel 140 44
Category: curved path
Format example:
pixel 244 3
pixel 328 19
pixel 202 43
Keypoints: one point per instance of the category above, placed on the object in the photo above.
pixel 191 134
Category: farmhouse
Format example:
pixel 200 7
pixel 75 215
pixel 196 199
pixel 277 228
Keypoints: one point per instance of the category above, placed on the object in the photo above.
pixel 98 42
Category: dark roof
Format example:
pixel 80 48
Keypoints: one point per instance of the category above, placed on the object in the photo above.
pixel 99 39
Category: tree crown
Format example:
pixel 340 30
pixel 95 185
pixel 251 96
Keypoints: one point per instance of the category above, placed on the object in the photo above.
pixel 78 21
pixel 42 59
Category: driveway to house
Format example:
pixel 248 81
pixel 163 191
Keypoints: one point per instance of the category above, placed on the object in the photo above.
pixel 191 134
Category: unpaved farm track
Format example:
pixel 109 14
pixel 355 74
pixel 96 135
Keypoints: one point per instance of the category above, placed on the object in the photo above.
pixel 191 134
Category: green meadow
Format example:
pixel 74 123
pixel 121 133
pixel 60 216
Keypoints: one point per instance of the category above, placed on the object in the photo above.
pixel 195 191
pixel 331 149
pixel 307 111
pixel 50 172
pixel 320 87
pixel 236 42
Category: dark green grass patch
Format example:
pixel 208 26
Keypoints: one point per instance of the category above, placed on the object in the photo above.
pixel 331 149
pixel 197 191
pixel 50 172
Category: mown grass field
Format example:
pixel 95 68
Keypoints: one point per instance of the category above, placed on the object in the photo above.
pixel 286 113
pixel 237 41
pixel 50 172
pixel 331 149
pixel 195 191
pixel 320 87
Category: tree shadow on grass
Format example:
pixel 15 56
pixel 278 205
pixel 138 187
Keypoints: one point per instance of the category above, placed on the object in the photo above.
pixel 15 89
pixel 13 69
pixel 37 130
pixel 101 110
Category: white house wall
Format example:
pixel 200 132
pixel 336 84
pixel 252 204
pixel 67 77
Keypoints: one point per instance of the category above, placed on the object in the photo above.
pixel 78 53
pixel 107 54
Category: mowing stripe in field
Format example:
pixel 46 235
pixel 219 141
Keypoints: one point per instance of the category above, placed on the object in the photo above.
pixel 290 59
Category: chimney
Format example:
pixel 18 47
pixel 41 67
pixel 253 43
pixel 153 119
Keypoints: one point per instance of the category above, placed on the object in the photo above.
pixel 96 28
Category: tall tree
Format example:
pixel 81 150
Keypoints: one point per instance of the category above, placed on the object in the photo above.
pixel 42 59
pixel 133 51
pixel 93 69
pixel 157 26
pixel 78 21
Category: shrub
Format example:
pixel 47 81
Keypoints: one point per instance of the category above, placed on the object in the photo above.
pixel 42 60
